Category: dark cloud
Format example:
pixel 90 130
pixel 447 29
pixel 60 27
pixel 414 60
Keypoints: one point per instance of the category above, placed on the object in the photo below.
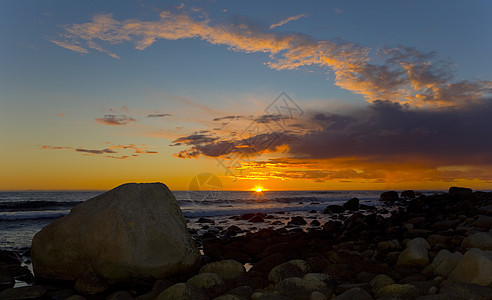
pixel 103 151
pixel 228 118
pixel 115 120
pixel 158 115
pixel 386 130
pixel 265 119
pixel 383 131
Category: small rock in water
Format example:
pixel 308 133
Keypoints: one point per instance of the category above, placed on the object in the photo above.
pixel 390 196
pixel 459 190
pixel 352 204
pixel 297 221
pixel 333 209
pixel 205 220
pixel 408 194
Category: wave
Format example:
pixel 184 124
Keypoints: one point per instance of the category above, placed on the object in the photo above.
pixel 36 205
pixel 32 215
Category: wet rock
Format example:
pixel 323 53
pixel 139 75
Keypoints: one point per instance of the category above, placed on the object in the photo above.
pixel 332 226
pixel 297 221
pixel 483 222
pixel 459 190
pixel 233 230
pixel 480 240
pixel 333 209
pixel 268 296
pixel 120 295
pixel 352 204
pixel 205 220
pixel 465 291
pixel 354 294
pixel 293 268
pixel 475 267
pixel 211 283
pixel 398 291
pixel 257 219
pixel 415 254
pixel 315 223
pixel 408 194
pixel 390 196
pixel 299 288
pixel 444 263
pixel 26 292
pixel 182 291
pixel 380 281
pixel 9 258
pixel 228 269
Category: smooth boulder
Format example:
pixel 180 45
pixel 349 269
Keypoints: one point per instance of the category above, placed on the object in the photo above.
pixel 132 232
pixel 475 267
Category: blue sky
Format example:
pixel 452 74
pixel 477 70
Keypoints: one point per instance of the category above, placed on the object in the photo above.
pixel 53 94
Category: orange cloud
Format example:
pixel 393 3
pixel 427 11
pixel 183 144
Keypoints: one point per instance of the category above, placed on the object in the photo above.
pixel 285 21
pixel 405 74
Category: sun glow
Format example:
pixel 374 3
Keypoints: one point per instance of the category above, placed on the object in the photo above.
pixel 258 190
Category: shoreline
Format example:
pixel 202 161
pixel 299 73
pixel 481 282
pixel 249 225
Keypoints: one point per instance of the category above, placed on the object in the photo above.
pixel 352 248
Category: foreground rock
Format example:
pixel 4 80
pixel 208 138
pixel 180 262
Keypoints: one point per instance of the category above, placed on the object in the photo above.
pixel 475 267
pixel 133 232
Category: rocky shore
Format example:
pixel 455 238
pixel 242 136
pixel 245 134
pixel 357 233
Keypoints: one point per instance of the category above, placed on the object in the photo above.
pixel 414 247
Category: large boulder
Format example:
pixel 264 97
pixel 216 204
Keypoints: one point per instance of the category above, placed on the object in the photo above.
pixel 133 232
pixel 475 267
pixel 444 263
pixel 480 240
pixel 415 254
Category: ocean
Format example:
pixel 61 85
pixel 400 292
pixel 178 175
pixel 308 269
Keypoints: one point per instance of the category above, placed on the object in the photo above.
pixel 22 214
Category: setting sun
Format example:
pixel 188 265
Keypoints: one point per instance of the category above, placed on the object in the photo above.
pixel 258 189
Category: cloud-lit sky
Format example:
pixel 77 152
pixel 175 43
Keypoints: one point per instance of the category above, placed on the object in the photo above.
pixel 330 95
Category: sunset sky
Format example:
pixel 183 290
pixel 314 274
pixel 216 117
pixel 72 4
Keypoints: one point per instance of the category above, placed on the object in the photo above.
pixel 331 95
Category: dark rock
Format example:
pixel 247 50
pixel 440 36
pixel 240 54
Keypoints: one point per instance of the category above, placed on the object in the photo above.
pixel 120 295
pixel 91 284
pixel 333 209
pixel 59 294
pixel 459 190
pixel 312 211
pixel 6 281
pixel 318 264
pixel 332 226
pixel 205 220
pixel 408 194
pixel 340 272
pixel 352 204
pixel 297 221
pixel 26 292
pixel 9 258
pixel 243 291
pixel 266 264
pixel 315 223
pixel 247 216
pixel 255 282
pixel 390 196
pixel 209 235
pixel 257 219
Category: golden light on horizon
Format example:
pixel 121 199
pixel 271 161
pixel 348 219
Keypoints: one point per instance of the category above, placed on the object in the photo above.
pixel 258 189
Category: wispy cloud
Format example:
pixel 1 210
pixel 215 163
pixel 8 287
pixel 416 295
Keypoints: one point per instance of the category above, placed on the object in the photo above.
pixel 398 74
pixel 158 115
pixel 115 120
pixel 137 149
pixel 91 151
pixel 285 21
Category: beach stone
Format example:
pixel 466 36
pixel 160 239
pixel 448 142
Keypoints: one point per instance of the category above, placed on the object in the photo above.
pixel 297 221
pixel 390 196
pixel 474 267
pixel 333 209
pixel 59 294
pixel 159 286
pixel 6 281
pixel 459 190
pixel 444 263
pixel 480 240
pixel 242 291
pixel 211 283
pixel 315 223
pixel 25 292
pixel 268 296
pixel 229 297
pixel 435 239
pixel 388 245
pixel 76 297
pixel 318 277
pixel 415 254
pixel 257 219
pixel 318 296
pixel 352 204
pixel 120 295
pixel 406 291
pixel 182 291
pixel 9 258
pixel 354 294
pixel 380 281
pixel 465 291
pixel 408 194
pixel 299 288
pixel 486 210
pixel 293 268
pixel 483 222
pixel 205 220
pixel 133 232
pixel 226 269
